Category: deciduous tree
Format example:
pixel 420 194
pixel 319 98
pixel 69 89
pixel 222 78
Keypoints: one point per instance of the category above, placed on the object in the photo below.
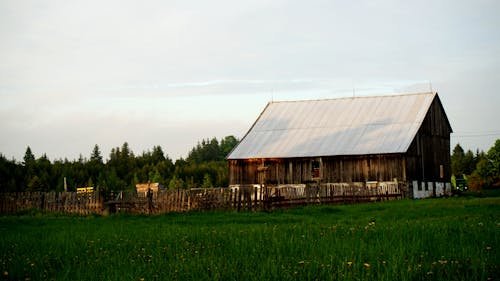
pixel 489 166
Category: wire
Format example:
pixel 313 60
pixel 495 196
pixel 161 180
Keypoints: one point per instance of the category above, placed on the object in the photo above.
pixel 472 135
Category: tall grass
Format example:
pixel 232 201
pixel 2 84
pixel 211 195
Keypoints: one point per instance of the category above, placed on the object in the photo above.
pixel 436 239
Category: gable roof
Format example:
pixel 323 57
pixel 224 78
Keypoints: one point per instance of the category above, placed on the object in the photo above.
pixel 332 127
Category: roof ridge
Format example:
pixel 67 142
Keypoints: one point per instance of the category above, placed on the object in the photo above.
pixel 357 97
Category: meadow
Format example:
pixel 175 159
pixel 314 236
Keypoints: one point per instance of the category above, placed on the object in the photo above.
pixel 433 239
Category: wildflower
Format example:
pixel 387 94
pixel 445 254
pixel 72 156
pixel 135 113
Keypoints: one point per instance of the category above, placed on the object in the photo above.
pixel 301 262
pixel 349 263
pixel 488 248
pixel 443 262
pixel 367 265
pixel 480 224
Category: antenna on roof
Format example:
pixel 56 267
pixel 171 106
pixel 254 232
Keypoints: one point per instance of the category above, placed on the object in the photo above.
pixel 430 86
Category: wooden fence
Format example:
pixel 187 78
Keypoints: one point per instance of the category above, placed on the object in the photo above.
pixel 60 202
pixel 245 197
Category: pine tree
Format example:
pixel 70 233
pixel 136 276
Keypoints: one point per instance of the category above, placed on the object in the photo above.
pixel 95 156
pixel 157 156
pixel 29 157
pixel 458 161
pixel 207 181
pixel 90 183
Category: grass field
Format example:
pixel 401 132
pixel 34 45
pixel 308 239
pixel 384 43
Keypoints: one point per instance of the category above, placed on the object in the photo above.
pixel 434 239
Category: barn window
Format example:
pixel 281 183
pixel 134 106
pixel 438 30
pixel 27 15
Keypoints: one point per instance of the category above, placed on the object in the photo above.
pixel 315 169
pixel 262 171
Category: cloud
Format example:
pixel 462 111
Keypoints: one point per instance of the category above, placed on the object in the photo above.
pixel 103 72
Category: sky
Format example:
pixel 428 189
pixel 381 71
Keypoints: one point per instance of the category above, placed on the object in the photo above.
pixel 171 73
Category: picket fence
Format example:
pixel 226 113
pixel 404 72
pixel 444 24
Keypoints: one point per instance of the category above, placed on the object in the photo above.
pixel 244 197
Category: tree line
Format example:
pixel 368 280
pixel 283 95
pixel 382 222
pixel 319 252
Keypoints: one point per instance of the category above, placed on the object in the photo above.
pixel 477 170
pixel 205 166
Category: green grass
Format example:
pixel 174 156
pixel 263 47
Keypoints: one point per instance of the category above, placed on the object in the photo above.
pixel 481 193
pixel 434 239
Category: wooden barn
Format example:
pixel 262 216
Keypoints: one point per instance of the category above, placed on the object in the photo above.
pixel 397 138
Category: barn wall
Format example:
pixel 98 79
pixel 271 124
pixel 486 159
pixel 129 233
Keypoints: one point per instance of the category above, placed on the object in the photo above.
pixel 243 171
pixel 332 169
pixel 363 168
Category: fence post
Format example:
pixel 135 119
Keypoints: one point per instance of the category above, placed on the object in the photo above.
pixel 230 198
pixel 42 201
pixel 239 199
pixel 150 201
pixel 255 198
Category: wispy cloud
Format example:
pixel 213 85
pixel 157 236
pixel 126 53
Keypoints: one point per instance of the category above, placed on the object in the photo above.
pixel 86 66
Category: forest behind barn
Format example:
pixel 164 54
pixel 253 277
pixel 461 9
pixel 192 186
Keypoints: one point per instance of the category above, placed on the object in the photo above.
pixel 475 170
pixel 205 166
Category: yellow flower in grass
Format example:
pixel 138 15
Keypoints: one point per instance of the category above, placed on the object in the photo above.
pixel 367 265
pixel 349 263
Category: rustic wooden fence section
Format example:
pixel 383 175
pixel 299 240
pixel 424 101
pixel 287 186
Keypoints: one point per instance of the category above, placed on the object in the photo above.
pixel 334 193
pixel 245 197
pixel 60 202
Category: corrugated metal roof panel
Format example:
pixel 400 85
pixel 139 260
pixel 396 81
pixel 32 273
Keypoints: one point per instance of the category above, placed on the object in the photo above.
pixel 347 126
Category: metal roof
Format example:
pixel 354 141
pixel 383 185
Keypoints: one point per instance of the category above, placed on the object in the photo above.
pixel 330 127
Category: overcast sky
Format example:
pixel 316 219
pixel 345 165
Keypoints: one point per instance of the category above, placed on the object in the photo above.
pixel 78 73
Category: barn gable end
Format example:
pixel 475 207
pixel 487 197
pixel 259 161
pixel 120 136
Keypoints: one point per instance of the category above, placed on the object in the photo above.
pixel 428 157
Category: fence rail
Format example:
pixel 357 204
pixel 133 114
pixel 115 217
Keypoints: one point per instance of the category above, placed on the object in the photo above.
pixel 60 202
pixel 244 197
